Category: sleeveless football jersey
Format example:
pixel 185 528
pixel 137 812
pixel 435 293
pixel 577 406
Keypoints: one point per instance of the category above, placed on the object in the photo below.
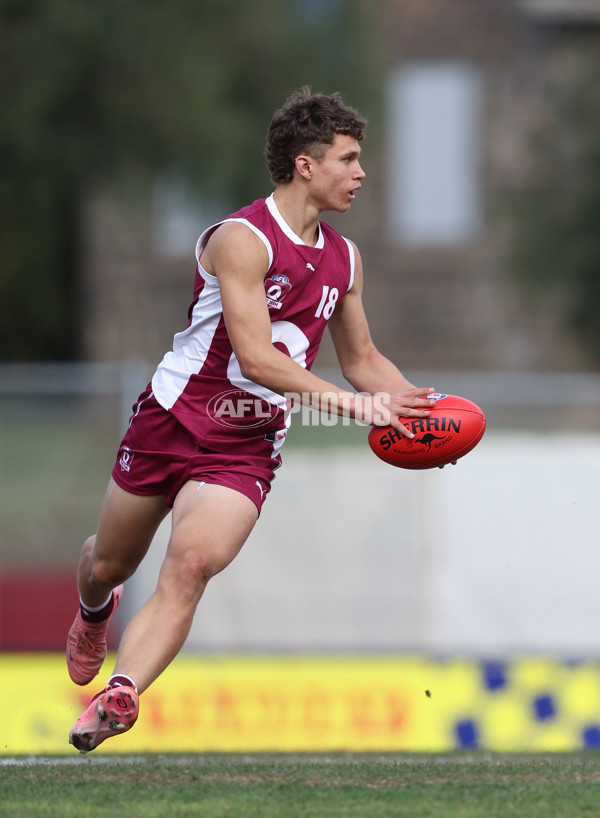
pixel 200 380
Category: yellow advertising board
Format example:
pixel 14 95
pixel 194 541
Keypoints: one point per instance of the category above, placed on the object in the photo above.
pixel 317 704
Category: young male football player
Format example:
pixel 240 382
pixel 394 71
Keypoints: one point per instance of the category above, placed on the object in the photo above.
pixel 269 278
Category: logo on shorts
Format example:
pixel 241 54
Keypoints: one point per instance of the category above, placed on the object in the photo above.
pixel 126 458
pixel 240 410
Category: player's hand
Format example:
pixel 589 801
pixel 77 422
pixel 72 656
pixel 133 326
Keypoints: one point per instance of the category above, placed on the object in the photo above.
pixel 383 409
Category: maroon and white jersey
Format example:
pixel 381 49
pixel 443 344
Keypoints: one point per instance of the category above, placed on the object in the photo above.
pixel 200 380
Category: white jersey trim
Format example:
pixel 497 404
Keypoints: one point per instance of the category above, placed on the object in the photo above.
pixel 352 262
pixel 201 244
pixel 274 211
pixel 190 349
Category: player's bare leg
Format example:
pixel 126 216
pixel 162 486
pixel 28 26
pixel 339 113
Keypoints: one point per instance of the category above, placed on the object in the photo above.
pixel 127 525
pixel 210 525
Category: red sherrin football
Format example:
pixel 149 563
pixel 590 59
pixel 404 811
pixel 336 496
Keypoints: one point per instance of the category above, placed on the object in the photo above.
pixel 454 427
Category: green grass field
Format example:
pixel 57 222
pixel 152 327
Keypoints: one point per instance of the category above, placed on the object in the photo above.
pixel 285 786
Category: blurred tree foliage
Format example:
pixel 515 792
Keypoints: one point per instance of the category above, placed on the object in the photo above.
pixel 557 215
pixel 95 91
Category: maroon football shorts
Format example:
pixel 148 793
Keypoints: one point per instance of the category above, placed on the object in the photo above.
pixel 158 455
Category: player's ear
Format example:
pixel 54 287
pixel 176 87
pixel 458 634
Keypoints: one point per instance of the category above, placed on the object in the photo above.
pixel 303 164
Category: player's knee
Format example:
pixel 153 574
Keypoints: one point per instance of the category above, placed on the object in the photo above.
pixel 189 572
pixel 88 547
pixel 107 572
pixel 198 568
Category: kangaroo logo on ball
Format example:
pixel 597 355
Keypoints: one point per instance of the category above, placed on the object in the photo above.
pixel 428 439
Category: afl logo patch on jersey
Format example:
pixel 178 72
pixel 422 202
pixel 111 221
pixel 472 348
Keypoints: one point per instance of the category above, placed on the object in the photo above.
pixel 277 287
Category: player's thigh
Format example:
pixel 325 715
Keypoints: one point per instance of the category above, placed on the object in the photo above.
pixel 211 523
pixel 127 525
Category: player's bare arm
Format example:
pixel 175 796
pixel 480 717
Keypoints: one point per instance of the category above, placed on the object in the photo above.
pixel 365 367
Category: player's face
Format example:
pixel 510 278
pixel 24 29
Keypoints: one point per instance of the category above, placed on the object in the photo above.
pixel 337 177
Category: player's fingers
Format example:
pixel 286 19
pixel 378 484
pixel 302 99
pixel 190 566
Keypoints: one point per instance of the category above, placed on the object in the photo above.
pixel 414 399
pixel 420 409
pixel 420 392
pixel 414 411
pixel 400 427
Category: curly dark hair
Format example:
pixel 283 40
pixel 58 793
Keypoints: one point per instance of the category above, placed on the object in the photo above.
pixel 307 122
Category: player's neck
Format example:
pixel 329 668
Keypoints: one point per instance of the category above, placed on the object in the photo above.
pixel 299 213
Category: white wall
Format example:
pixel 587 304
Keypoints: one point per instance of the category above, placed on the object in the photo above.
pixel 433 185
pixel 496 555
